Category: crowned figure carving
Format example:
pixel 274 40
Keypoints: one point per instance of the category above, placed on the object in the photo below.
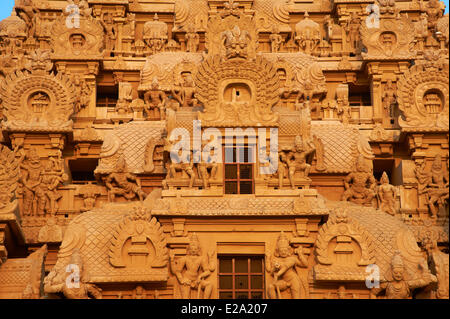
pixel 282 266
pixel 192 271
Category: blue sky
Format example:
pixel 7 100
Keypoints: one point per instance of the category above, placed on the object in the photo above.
pixel 6 7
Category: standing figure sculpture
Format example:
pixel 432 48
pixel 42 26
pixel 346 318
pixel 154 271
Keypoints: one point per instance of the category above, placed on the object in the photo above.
pixel 400 287
pixel 33 191
pixel 386 195
pixel 155 99
pixel 198 268
pixel 360 184
pixel 276 39
pixel 192 39
pixel 436 189
pixel 120 182
pixel 282 266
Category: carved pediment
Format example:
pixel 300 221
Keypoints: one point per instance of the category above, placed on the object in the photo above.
pixel 343 246
pixel 392 40
pixel 82 40
pixel 138 242
pixel 423 97
pixel 236 92
pixel 35 100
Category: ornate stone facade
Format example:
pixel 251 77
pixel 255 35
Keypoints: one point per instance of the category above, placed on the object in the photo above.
pixel 174 149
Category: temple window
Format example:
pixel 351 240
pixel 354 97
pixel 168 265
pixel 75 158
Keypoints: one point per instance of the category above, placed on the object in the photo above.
pixel 239 163
pixel 241 277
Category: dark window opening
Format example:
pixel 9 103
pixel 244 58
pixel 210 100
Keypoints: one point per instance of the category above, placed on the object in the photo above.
pixel 380 166
pixel 359 95
pixel 107 96
pixel 82 169
pixel 241 277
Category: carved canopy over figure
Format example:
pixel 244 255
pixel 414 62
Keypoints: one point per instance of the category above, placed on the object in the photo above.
pixel 282 266
pixel 360 184
pixel 307 34
pixel 197 268
pixel 400 287
pixel 155 34
pixel 123 183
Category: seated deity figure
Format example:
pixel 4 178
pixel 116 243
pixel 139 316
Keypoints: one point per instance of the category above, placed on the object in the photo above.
pixel 399 287
pixel 360 184
pixel 386 195
pixel 208 163
pixel 122 183
pixel 181 161
pixel 197 268
pixel 296 159
pixel 281 265
pixel 186 94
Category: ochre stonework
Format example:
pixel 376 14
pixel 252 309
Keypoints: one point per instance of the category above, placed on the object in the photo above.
pixel 95 203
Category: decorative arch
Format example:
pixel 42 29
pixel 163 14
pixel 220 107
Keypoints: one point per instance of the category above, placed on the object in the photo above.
pixel 141 229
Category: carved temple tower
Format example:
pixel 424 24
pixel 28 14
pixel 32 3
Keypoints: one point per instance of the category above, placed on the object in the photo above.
pixel 222 149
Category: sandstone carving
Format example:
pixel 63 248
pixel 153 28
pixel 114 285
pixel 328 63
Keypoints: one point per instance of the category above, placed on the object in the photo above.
pixel 335 114
pixel 282 266
pixel 192 271
pixel 360 184
pixel 400 287
pixel 123 183
pixel 387 195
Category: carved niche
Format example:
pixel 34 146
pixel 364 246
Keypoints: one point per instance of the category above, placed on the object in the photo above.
pixel 84 41
pixel 392 40
pixel 9 177
pixel 138 242
pixel 343 249
pixel 235 86
pixel 423 97
pixel 36 99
